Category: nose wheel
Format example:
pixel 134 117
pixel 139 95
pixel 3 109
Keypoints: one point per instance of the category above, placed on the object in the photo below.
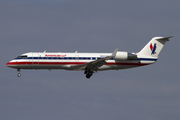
pixel 19 74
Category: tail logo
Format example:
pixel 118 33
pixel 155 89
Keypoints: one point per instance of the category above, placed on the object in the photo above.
pixel 153 48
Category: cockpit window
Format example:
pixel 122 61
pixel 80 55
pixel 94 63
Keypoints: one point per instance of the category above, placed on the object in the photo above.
pixel 22 56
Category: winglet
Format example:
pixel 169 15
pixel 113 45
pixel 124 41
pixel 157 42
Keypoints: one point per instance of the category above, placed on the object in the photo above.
pixel 114 53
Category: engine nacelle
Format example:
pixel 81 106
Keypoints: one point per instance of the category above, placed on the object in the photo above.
pixel 121 56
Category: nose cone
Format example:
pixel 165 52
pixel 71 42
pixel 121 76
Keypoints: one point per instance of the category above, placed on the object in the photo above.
pixel 8 64
pixel 11 64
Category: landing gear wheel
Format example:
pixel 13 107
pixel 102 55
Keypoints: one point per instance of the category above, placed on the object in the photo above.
pixel 85 72
pixel 88 75
pixel 19 74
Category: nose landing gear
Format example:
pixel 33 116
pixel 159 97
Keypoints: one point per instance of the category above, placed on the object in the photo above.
pixel 19 74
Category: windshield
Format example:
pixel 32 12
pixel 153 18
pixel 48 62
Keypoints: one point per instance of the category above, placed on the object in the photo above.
pixel 22 56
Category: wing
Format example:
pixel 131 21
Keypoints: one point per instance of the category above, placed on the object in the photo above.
pixel 94 65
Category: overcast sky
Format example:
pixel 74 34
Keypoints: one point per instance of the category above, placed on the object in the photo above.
pixel 144 93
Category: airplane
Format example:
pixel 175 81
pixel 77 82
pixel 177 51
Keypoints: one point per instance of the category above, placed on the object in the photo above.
pixel 90 62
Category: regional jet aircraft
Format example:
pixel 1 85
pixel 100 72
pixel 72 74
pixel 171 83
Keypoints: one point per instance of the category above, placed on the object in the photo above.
pixel 90 62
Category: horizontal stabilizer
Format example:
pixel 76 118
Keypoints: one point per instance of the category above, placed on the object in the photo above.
pixel 164 38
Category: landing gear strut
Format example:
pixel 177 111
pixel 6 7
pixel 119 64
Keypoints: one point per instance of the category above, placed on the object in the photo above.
pixel 19 74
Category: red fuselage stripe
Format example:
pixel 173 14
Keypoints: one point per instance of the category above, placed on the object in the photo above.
pixel 70 63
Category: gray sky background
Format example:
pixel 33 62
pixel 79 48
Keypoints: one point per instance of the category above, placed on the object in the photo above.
pixel 150 92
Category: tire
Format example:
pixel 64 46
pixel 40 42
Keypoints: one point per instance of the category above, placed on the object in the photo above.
pixel 19 74
pixel 90 73
pixel 85 72
pixel 87 76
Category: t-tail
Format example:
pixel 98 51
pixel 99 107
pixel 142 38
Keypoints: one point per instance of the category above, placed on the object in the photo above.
pixel 154 47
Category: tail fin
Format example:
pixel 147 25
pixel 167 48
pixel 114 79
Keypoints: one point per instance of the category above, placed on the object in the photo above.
pixel 154 47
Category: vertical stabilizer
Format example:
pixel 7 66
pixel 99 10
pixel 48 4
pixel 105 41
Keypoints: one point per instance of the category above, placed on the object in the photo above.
pixel 154 47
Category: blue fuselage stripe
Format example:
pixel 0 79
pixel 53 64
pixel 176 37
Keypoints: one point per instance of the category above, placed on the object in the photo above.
pixel 82 58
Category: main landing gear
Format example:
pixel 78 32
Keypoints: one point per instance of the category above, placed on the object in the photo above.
pixel 19 74
pixel 88 73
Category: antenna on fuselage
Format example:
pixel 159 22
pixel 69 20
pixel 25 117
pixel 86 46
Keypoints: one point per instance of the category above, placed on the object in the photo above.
pixel 76 51
pixel 45 51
